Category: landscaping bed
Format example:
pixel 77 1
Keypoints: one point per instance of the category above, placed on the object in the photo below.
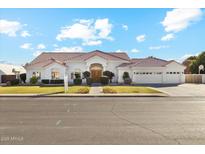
pixel 42 90
pixel 128 89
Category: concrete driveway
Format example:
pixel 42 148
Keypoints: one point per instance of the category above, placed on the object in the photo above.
pixel 184 90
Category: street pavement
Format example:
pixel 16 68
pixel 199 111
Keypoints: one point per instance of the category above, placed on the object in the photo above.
pixel 102 120
pixel 184 90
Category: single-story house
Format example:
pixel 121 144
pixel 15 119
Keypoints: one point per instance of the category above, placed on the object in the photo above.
pixel 53 65
pixel 9 72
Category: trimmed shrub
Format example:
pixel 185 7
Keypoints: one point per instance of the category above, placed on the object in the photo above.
pixel 14 82
pixel 127 81
pixel 104 80
pixel 33 80
pixel 109 74
pixel 125 75
pixel 86 74
pixel 58 81
pixel 77 81
pixel 84 90
pixel 45 81
pixel 23 77
pixel 89 81
pixel 77 75
pixel 109 90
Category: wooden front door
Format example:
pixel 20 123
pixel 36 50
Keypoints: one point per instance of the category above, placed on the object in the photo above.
pixel 95 75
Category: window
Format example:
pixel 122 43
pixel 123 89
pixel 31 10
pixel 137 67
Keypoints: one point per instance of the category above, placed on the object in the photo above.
pixel 37 74
pixel 178 72
pixel 159 73
pixel 55 75
pixel 167 72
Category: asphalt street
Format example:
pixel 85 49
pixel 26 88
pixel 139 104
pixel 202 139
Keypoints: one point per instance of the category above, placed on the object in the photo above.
pixel 99 120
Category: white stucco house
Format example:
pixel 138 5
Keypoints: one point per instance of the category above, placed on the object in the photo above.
pixel 144 70
pixel 10 70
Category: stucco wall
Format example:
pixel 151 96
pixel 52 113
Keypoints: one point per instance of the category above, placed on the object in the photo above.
pixel 154 77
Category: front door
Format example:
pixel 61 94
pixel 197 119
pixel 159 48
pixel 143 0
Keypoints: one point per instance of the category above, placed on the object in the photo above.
pixel 95 75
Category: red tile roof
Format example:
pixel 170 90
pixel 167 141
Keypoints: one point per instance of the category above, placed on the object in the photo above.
pixel 46 59
pixel 146 62
pixel 61 57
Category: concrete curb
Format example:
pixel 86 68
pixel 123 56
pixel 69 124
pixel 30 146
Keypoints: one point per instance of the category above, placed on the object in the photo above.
pixel 86 95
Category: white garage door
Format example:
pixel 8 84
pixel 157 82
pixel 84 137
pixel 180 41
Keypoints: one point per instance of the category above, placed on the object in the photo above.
pixel 147 77
pixel 173 77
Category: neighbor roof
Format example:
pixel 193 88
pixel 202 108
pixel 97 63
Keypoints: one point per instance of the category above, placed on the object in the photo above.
pixel 45 58
pixel 7 69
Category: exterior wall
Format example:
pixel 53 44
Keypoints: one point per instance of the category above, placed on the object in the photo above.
pixel 137 74
pixel 112 66
pixel 45 72
pixel 1 73
pixel 121 72
pixel 174 78
pixel 29 72
pixel 154 74
pixel 75 66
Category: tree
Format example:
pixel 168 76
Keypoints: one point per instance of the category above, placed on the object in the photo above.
pixel 125 75
pixel 187 62
pixel 194 66
pixel 126 78
pixel 23 77
pixel 109 74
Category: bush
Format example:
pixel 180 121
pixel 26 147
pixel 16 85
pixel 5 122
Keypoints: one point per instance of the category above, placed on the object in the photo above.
pixel 109 90
pixel 127 81
pixel 77 75
pixel 84 90
pixel 89 81
pixel 23 77
pixel 77 81
pixel 86 74
pixel 45 81
pixel 125 75
pixel 58 81
pixel 109 74
pixel 14 82
pixel 33 80
pixel 104 80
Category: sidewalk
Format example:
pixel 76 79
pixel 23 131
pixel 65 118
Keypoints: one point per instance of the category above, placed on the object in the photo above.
pixel 87 95
pixel 95 90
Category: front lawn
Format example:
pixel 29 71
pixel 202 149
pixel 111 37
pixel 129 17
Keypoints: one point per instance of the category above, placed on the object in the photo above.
pixel 42 90
pixel 128 89
pixel 78 89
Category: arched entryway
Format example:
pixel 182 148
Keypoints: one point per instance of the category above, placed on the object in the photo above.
pixel 96 72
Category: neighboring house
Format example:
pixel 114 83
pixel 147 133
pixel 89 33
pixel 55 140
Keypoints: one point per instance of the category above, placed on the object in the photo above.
pixel 9 72
pixel 146 70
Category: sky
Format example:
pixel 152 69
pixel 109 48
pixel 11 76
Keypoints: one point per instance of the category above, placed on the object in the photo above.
pixel 163 33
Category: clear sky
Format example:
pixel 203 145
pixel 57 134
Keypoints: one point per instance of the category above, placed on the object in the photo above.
pixel 163 33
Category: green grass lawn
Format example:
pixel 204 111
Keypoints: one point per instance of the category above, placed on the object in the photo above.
pixel 42 90
pixel 128 89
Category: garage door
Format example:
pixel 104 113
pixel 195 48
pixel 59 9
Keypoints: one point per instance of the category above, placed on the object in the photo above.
pixel 147 77
pixel 173 77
